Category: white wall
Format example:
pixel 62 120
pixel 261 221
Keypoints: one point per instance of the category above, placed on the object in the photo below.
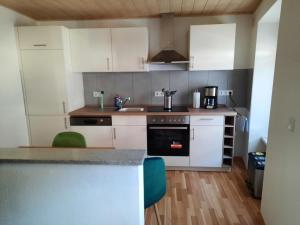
pixel 262 85
pixel 13 127
pixel 181 32
pixel 281 198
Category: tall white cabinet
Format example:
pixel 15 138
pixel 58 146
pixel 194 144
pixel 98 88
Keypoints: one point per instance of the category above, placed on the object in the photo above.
pixel 212 47
pixel 51 90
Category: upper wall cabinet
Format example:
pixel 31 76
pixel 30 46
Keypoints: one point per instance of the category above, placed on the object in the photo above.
pixel 212 47
pixel 40 37
pixel 130 49
pixel 91 50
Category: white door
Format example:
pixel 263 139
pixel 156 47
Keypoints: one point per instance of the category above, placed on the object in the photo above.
pixel 130 137
pixel 91 50
pixel 44 128
pixel 96 136
pixel 130 49
pixel 40 37
pixel 206 146
pixel 212 47
pixel 44 79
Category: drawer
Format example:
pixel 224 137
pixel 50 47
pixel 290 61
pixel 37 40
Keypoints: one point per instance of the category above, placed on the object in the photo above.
pixel 207 120
pixel 40 37
pixel 129 120
pixel 180 161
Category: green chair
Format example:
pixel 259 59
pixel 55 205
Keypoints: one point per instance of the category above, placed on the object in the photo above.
pixel 69 140
pixel 154 183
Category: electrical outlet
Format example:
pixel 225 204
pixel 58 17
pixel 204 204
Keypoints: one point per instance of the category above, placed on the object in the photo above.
pixel 225 92
pixel 158 94
pixel 96 94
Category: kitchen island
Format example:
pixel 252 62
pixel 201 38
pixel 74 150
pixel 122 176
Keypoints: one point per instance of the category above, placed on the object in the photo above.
pixel 49 186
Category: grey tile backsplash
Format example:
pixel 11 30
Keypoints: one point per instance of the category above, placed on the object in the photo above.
pixel 141 86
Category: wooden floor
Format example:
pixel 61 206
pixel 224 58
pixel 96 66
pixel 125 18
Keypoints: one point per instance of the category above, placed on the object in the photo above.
pixel 207 198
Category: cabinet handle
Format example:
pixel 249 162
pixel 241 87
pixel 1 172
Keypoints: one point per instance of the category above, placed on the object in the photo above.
pixel 64 107
pixel 206 119
pixel 144 63
pixel 193 133
pixel 115 135
pixel 191 62
pixel 107 62
pixel 66 123
pixel 39 45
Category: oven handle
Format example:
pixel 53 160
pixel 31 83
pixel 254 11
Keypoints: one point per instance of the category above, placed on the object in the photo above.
pixel 168 128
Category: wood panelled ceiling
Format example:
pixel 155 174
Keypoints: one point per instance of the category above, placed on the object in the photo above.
pixel 102 9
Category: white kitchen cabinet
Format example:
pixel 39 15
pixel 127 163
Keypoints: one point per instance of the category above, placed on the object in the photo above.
pixel 130 137
pixel 40 37
pixel 212 47
pixel 206 144
pixel 129 132
pixel 96 136
pixel 44 128
pixel 91 50
pixel 44 81
pixel 130 49
pixel 51 90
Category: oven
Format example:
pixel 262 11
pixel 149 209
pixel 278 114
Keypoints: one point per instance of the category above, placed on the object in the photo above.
pixel 168 135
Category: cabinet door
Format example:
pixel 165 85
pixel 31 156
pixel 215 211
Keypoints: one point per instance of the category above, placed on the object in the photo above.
pixel 96 136
pixel 40 37
pixel 44 79
pixel 44 128
pixel 91 50
pixel 212 47
pixel 206 146
pixel 130 49
pixel 130 137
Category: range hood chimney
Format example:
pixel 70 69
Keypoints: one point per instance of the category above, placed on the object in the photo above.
pixel 167 55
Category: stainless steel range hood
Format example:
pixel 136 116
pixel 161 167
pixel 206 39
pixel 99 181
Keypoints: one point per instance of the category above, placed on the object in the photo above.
pixel 168 54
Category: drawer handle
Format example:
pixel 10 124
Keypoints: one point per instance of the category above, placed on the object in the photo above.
pixel 206 119
pixel 39 45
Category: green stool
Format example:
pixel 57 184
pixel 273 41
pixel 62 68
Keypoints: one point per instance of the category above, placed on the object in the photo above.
pixel 154 182
pixel 69 140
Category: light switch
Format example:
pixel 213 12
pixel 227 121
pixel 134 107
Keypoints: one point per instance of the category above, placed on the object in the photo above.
pixel 292 124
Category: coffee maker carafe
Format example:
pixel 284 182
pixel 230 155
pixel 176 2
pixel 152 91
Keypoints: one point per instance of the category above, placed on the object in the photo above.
pixel 211 97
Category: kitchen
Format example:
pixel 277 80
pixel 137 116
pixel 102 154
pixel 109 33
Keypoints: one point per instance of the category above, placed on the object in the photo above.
pixel 180 88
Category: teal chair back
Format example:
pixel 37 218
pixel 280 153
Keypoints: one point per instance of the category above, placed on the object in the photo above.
pixel 154 180
pixel 69 140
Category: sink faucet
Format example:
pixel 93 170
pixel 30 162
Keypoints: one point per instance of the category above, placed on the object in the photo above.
pixel 119 102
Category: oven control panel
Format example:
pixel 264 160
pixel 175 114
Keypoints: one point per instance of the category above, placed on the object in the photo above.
pixel 168 119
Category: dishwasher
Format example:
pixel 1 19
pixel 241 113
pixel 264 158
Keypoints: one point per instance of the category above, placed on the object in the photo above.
pixel 96 130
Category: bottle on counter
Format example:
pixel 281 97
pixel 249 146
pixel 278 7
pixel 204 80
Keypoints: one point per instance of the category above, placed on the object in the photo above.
pixel 101 101
pixel 196 99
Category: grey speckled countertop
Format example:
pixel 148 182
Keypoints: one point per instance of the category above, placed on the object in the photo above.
pixel 73 156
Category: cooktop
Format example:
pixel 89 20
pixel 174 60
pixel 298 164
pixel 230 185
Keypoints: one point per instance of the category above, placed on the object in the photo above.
pixel 174 109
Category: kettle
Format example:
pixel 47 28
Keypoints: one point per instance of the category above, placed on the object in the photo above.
pixel 168 99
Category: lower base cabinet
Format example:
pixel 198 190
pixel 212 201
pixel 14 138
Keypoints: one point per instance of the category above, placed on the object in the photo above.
pixel 206 145
pixel 44 128
pixel 130 137
pixel 96 136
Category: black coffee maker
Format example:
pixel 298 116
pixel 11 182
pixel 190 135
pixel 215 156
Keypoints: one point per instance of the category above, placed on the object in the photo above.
pixel 211 97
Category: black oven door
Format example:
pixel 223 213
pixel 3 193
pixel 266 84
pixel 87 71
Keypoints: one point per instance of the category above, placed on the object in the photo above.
pixel 168 140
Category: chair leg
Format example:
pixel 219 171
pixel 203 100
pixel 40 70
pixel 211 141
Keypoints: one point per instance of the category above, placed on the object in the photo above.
pixel 157 214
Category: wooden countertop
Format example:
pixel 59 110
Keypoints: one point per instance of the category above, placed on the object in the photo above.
pixel 94 111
